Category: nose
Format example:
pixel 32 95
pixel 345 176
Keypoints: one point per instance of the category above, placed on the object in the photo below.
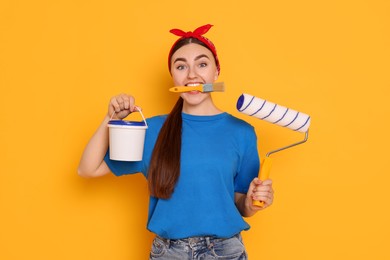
pixel 191 73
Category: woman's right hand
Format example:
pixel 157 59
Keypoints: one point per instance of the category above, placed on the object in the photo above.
pixel 122 105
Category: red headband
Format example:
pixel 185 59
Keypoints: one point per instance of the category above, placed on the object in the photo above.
pixel 197 34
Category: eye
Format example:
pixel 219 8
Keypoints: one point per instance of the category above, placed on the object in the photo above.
pixel 180 67
pixel 203 64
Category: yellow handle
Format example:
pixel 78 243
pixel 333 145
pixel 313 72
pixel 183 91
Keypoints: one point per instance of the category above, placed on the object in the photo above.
pixel 266 164
pixel 186 89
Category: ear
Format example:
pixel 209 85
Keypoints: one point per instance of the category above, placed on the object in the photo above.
pixel 216 75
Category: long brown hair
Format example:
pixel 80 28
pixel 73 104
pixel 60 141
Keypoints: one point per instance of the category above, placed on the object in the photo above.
pixel 164 169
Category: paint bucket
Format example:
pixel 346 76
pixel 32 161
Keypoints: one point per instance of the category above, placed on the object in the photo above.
pixel 127 139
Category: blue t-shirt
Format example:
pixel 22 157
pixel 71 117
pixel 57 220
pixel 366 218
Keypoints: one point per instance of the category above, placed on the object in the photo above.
pixel 218 158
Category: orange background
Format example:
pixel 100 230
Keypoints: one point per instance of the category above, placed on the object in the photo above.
pixel 61 61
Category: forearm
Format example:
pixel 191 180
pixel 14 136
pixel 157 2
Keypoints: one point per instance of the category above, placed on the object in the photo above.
pixel 244 205
pixel 91 163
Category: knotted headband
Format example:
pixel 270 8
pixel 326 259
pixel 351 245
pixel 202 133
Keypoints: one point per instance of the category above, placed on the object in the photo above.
pixel 197 34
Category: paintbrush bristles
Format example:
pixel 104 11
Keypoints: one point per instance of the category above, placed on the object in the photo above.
pixel 219 86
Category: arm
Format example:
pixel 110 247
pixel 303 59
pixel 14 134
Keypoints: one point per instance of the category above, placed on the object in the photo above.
pixel 258 190
pixel 92 161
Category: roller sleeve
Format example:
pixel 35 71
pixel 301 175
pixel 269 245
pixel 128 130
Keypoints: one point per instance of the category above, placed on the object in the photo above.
pixel 273 113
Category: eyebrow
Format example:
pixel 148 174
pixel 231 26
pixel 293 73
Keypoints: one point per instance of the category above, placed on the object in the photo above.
pixel 202 56
pixel 196 58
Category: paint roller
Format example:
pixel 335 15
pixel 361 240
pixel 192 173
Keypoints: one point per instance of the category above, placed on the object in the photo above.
pixel 278 115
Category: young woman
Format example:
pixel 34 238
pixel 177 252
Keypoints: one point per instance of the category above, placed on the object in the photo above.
pixel 200 163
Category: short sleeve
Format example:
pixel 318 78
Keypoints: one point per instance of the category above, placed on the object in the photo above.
pixel 249 161
pixel 119 168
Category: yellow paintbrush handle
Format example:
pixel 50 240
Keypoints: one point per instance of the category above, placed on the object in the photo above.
pixel 263 175
pixel 186 89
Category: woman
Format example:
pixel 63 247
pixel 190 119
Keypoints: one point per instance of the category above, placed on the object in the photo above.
pixel 201 163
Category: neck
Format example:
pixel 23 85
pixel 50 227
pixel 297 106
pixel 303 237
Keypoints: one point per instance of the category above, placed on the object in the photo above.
pixel 204 109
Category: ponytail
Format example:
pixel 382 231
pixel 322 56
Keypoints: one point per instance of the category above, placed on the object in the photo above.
pixel 164 168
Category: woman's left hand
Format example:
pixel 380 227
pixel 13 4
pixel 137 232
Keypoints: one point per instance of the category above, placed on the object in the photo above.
pixel 260 191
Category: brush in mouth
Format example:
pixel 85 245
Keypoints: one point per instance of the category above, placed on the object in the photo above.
pixel 193 84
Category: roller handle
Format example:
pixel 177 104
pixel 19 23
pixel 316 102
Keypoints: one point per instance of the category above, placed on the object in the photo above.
pixel 266 165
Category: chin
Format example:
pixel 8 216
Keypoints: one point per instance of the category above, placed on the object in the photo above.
pixel 194 99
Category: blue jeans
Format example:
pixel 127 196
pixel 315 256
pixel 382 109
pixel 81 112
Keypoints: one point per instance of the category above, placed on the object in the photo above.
pixel 198 248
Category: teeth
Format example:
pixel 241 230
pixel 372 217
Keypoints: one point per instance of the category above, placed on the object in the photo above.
pixel 193 85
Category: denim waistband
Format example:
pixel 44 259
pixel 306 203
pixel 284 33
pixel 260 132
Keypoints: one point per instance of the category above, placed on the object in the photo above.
pixel 196 241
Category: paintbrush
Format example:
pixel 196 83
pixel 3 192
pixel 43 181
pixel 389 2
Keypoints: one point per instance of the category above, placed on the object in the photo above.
pixel 209 87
